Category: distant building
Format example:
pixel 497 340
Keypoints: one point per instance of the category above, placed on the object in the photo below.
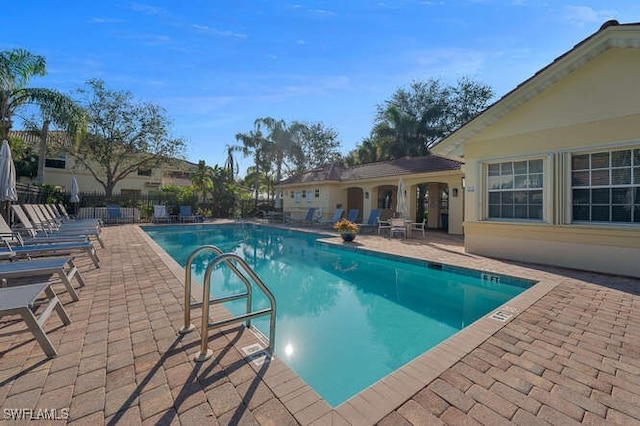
pixel 374 186
pixel 59 169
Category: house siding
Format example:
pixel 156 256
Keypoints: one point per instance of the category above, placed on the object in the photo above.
pixel 594 108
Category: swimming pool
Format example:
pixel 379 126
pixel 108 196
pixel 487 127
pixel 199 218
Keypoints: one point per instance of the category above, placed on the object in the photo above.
pixel 345 319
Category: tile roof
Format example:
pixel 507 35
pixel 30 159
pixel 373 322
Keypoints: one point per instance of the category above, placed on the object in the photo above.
pixel 401 166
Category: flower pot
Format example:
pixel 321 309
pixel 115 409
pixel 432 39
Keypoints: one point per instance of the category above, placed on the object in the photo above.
pixel 348 236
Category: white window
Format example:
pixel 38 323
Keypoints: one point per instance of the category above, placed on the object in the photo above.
pixel 515 190
pixel 605 186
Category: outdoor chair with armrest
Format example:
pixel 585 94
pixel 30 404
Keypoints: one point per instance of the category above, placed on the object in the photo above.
pixel 383 225
pixel 372 222
pixel 419 226
pixel 398 226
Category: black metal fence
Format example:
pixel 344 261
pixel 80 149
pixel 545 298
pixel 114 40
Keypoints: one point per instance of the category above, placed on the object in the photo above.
pixel 228 207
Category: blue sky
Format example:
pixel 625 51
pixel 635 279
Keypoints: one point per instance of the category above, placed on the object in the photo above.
pixel 217 65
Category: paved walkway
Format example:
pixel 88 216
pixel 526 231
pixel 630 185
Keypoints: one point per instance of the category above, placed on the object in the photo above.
pixel 569 354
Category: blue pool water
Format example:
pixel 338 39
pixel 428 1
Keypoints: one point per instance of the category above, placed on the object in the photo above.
pixel 344 319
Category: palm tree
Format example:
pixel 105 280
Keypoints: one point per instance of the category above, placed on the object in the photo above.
pixel 201 179
pixel 17 66
pixel 253 143
pixel 231 164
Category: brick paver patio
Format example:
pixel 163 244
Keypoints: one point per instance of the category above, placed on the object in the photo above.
pixel 570 354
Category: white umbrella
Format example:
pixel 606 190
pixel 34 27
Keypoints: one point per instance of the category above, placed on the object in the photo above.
pixel 7 174
pixel 75 198
pixel 402 209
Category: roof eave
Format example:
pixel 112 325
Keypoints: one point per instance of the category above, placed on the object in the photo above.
pixel 615 36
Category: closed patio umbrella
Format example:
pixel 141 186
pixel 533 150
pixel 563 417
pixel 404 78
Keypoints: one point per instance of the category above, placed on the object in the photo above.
pixel 402 208
pixel 75 197
pixel 7 179
pixel 7 174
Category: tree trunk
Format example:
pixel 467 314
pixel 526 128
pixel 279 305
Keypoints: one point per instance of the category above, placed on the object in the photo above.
pixel 42 152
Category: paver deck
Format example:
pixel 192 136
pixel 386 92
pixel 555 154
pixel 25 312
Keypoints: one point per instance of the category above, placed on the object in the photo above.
pixel 570 353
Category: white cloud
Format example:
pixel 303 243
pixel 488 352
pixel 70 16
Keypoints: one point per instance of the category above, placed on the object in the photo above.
pixel 582 15
pixel 452 62
pixel 321 12
pixel 147 9
pixel 205 29
pixel 97 20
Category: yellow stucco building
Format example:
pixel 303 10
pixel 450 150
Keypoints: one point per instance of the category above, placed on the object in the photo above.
pixel 375 186
pixel 552 169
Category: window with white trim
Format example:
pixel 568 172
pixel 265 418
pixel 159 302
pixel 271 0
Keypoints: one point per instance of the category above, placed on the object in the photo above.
pixel 605 186
pixel 515 190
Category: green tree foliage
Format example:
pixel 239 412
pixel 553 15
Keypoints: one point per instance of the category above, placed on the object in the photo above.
pixel 280 149
pixel 123 136
pixel 201 179
pixel 318 145
pixel 17 67
pixel 414 119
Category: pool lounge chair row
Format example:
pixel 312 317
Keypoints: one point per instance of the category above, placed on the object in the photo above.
pixel 45 250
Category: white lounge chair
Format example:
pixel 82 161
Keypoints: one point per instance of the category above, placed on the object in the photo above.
pixel 21 300
pixel 160 214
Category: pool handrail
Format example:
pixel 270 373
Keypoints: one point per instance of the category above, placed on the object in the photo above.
pixel 205 352
pixel 228 259
pixel 188 327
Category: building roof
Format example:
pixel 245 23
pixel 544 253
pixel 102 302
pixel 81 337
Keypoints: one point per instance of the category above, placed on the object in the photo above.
pixel 610 35
pixel 401 166
pixel 60 138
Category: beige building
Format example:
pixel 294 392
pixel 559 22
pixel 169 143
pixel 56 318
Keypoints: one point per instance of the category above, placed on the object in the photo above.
pixel 552 169
pixel 58 172
pixel 375 186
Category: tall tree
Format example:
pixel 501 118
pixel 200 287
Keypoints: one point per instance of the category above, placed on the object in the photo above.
pixel 123 136
pixel 414 119
pixel 279 145
pixel 254 144
pixel 230 163
pixel 318 144
pixel 201 179
pixel 17 67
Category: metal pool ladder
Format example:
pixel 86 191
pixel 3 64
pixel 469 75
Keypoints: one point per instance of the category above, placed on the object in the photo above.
pixel 232 261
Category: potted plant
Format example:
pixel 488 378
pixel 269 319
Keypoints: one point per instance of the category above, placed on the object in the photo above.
pixel 347 229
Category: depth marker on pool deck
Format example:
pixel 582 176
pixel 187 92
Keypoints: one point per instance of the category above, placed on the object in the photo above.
pixel 256 354
pixel 504 314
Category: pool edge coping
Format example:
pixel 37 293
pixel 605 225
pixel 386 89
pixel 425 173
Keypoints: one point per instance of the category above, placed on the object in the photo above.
pixel 388 393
